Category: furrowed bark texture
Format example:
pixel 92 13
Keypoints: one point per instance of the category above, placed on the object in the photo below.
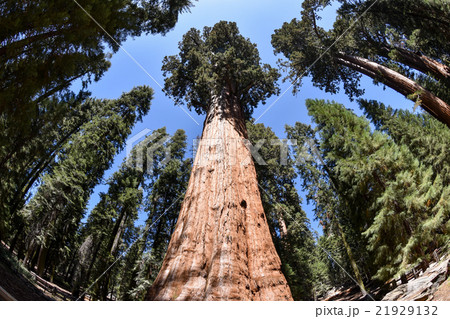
pixel 221 248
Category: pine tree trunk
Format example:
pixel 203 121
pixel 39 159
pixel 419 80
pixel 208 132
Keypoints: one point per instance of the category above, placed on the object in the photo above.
pixel 19 232
pixel 282 224
pixel 158 241
pixel 342 233
pixel 28 255
pixel 352 260
pixel 114 246
pixel 221 248
pixel 34 258
pixel 400 83
pixel 118 235
pixel 42 260
pixel 52 276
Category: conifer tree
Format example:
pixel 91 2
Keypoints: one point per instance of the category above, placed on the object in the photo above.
pixel 396 201
pixel 165 192
pixel 374 44
pixel 221 247
pixel 44 47
pixel 122 201
pixel 34 153
pixel 156 169
pixel 58 206
pixel 287 221
pixel 330 207
pixel 425 137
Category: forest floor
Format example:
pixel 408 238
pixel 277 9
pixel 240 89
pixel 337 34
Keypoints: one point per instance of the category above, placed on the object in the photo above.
pixel 18 283
pixel 15 284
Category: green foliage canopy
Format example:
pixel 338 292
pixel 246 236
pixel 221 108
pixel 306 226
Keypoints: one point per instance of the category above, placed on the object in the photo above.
pixel 215 61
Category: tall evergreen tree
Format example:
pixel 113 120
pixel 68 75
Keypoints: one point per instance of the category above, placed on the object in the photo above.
pixel 58 206
pixel 425 137
pixel 221 247
pixel 122 201
pixel 287 221
pixel 396 201
pixel 369 44
pixel 33 154
pixel 44 47
pixel 155 168
pixel 330 207
pixel 165 194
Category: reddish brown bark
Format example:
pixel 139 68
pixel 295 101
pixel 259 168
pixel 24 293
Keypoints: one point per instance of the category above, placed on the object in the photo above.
pixel 419 62
pixel 221 248
pixel 431 103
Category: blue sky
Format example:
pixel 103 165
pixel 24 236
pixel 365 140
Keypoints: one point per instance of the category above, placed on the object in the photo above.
pixel 256 19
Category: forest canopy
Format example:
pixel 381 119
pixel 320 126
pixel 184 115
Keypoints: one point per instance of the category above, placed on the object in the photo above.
pixel 156 223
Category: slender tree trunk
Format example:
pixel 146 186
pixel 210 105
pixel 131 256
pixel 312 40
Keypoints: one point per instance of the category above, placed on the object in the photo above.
pixel 352 259
pixel 94 259
pixel 69 267
pixel 221 248
pixel 28 255
pixel 52 276
pixel 400 83
pixel 20 252
pixel 114 245
pixel 36 171
pixel 140 252
pixel 16 237
pixel 41 260
pixel 282 224
pixel 12 49
pixel 348 249
pixel 158 240
pixel 34 259
pixel 118 235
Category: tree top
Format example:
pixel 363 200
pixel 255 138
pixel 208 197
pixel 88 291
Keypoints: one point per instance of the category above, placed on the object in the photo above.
pixel 216 61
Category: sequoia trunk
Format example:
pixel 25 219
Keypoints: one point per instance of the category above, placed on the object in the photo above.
pixel 419 62
pixel 221 248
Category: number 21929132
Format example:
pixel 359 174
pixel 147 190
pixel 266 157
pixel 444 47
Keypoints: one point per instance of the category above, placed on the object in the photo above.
pixel 406 310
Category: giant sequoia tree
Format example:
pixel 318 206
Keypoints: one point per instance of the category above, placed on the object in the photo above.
pixel 221 248
pixel 410 58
